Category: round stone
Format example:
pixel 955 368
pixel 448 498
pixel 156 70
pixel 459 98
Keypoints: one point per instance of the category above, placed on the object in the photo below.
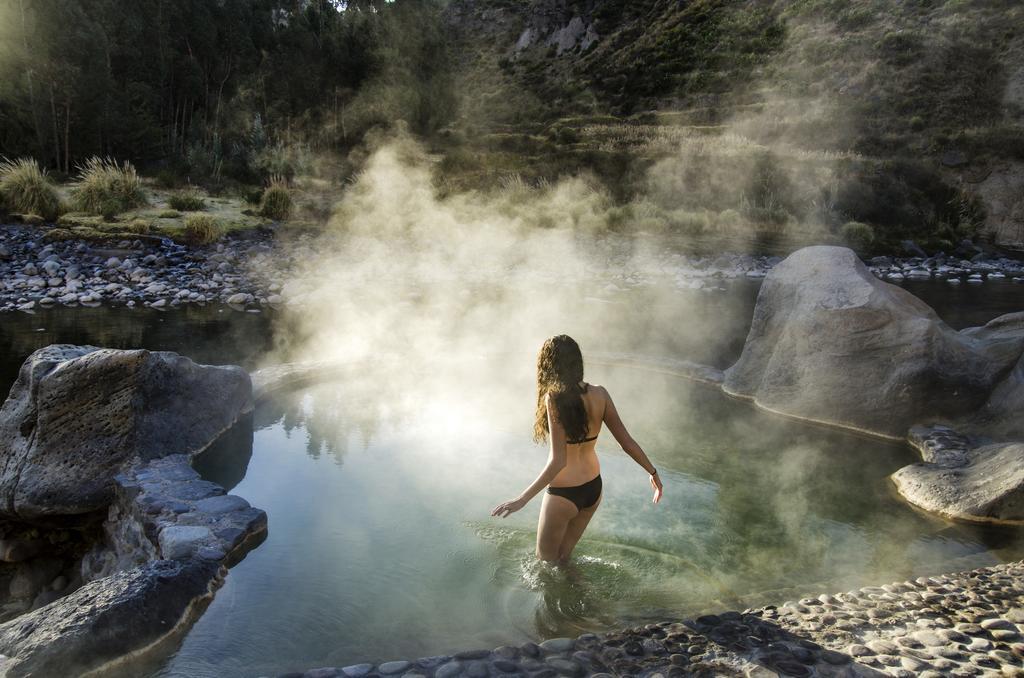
pixel 929 638
pixel 394 667
pixel 910 641
pixel 952 636
pixel 566 667
pixel 969 629
pixel 357 670
pixel 912 664
pixel 634 648
pixel 879 646
pixel 856 650
pixel 559 644
pixel 679 660
pixel 984 660
pixel 997 623
pixel 980 645
pixel 477 669
pixel 949 652
pixel 449 670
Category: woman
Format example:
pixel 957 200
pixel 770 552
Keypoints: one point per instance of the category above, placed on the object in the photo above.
pixel 568 410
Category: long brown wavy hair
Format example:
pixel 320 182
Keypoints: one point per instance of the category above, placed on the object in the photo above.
pixel 560 372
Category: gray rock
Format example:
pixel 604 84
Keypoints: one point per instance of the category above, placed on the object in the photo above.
pixel 830 342
pixel 180 541
pixel 357 670
pixel 77 414
pixel 1000 417
pixel 324 672
pixel 559 644
pixel 989 487
pixel 394 667
pixel 449 670
pixel 222 504
pixel 101 622
pixel 567 667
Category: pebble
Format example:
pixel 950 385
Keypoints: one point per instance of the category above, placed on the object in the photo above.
pixel 558 644
pixel 448 670
pixel 394 667
pixel 914 641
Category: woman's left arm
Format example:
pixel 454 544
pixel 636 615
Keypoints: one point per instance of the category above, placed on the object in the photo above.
pixel 556 462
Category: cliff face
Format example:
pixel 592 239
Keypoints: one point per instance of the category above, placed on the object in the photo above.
pixel 936 85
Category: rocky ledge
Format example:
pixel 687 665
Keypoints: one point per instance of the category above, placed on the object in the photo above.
pixel 103 440
pixel 966 624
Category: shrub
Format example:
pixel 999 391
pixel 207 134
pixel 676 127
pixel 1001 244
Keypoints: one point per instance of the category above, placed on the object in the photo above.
pixel 693 223
pixel 857 235
pixel 186 201
pixel 26 188
pixel 106 188
pixel 138 226
pixel 728 220
pixel 202 229
pixel 276 203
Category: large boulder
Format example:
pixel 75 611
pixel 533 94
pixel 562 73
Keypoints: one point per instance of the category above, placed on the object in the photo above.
pixel 1002 416
pixel 830 342
pixel 987 487
pixel 109 621
pixel 77 414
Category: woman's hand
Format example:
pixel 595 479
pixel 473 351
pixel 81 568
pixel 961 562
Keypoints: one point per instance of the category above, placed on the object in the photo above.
pixel 505 509
pixel 656 484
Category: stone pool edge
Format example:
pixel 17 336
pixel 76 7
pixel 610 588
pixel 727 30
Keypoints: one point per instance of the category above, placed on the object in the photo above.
pixel 960 624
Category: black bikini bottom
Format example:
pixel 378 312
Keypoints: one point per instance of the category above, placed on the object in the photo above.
pixel 584 496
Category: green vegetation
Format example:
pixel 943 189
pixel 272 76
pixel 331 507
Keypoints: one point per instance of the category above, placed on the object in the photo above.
pixel 857 235
pixel 276 202
pixel 27 189
pixel 188 200
pixel 202 229
pixel 709 118
pixel 106 188
pixel 210 90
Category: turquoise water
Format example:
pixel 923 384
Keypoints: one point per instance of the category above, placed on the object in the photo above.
pixel 380 544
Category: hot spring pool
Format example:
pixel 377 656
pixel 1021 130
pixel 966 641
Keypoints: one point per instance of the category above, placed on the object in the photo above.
pixel 381 545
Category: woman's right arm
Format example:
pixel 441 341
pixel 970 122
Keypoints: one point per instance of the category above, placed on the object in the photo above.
pixel 629 446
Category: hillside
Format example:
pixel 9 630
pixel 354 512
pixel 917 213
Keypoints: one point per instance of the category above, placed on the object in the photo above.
pixel 797 114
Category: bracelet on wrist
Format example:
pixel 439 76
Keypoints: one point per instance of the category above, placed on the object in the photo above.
pixel 654 472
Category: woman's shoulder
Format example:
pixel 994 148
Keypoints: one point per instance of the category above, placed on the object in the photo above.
pixel 597 390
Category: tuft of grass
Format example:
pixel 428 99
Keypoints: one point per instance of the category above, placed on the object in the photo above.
pixel 169 214
pixel 276 202
pixel 857 235
pixel 107 188
pixel 137 226
pixel 202 229
pixel 26 188
pixel 188 200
